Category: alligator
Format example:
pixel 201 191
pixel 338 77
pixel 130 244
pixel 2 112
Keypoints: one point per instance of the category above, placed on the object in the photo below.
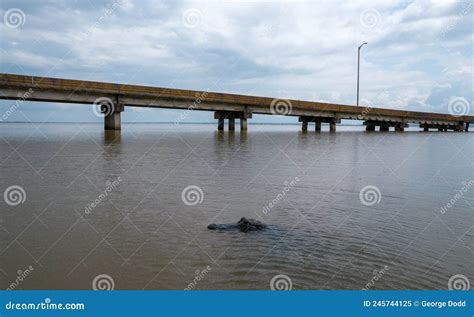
pixel 244 225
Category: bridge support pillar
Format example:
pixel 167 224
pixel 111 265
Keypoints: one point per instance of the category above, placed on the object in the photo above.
pixel 442 127
pixel 400 128
pixel 112 120
pixel 232 124
pixel 317 126
pixel 332 126
pixel 220 125
pixel 384 127
pixel 304 125
pixel 317 123
pixel 231 116
pixel 243 124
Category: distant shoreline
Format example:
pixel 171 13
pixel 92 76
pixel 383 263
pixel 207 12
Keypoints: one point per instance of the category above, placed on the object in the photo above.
pixel 203 123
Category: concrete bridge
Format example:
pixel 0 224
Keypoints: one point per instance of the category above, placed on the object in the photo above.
pixel 111 99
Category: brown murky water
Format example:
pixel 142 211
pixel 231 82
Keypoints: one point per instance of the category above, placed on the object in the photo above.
pixel 103 204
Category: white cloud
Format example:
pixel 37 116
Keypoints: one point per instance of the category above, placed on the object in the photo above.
pixel 308 49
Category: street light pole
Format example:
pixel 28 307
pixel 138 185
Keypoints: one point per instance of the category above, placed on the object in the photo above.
pixel 358 69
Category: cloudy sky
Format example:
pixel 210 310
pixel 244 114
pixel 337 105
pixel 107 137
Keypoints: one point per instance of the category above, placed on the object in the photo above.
pixel 419 54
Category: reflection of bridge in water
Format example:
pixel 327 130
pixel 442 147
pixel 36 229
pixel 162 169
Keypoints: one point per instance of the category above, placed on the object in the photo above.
pixel 111 100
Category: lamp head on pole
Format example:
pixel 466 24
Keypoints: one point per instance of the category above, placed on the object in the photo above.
pixel 362 45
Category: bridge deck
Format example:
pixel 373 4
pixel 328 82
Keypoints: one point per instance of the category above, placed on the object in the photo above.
pixel 79 91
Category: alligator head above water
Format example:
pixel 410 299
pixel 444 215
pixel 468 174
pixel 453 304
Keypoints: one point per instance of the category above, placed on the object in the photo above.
pixel 244 225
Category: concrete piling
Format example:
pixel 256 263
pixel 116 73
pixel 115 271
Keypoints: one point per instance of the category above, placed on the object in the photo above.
pixel 317 126
pixel 112 120
pixel 243 124
pixel 304 126
pixel 231 116
pixel 231 124
pixel 370 127
pixel 220 124
pixel 399 128
pixel 384 126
